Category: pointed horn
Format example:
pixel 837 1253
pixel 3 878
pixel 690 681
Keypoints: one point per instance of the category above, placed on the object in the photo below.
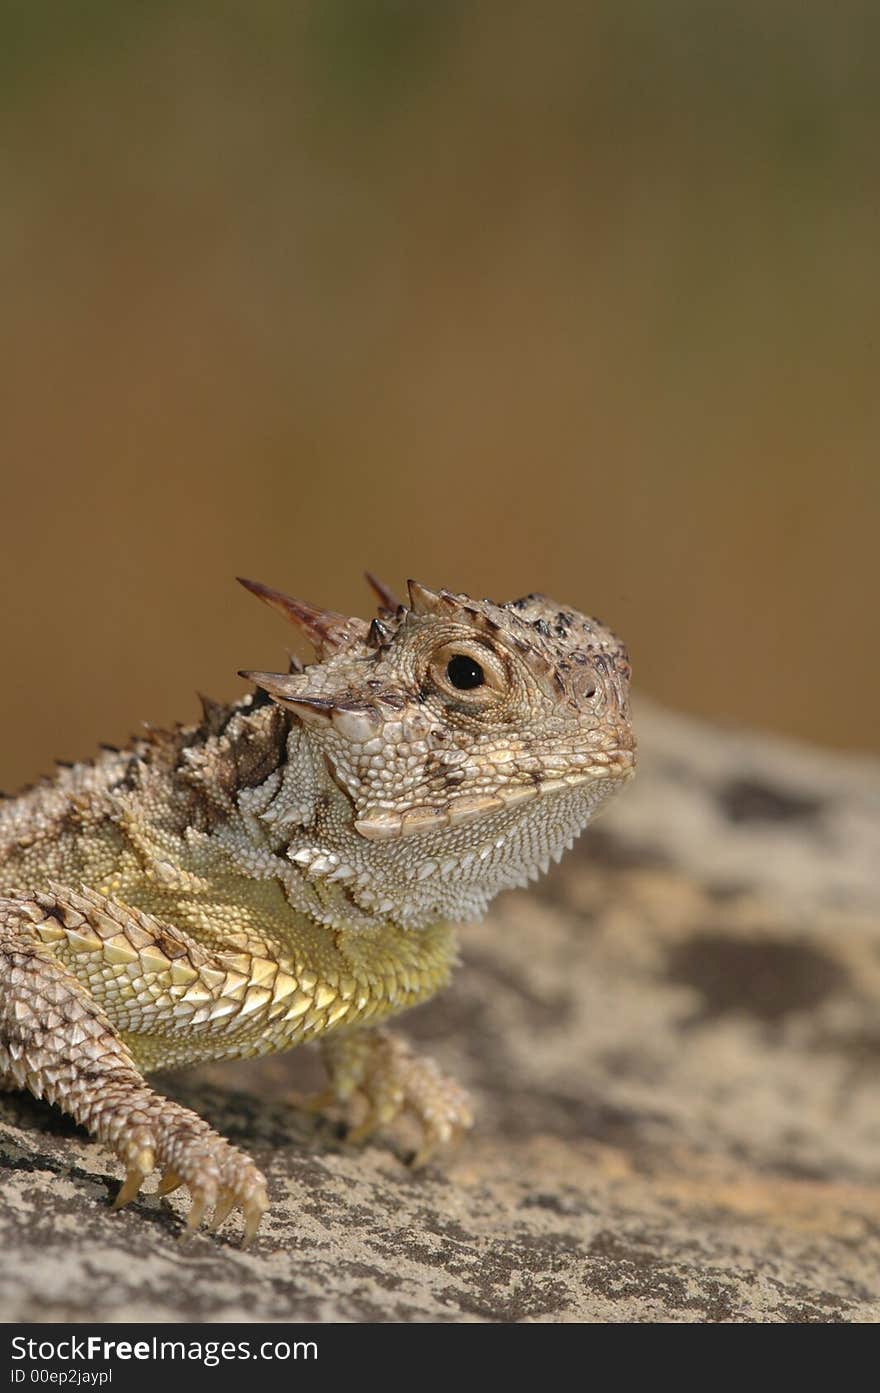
pixel 326 630
pixel 285 689
pixel 386 597
pixel 357 721
pixel 380 635
pixel 422 600
pixel 213 713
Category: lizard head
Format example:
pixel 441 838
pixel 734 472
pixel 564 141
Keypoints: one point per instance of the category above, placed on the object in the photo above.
pixel 470 740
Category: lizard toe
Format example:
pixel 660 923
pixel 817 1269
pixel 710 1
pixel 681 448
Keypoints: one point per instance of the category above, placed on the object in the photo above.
pixel 170 1181
pixel 202 1200
pixel 138 1155
pixel 134 1179
pixel 254 1209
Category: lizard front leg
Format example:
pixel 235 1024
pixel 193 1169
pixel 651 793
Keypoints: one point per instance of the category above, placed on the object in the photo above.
pixel 59 1042
pixel 382 1073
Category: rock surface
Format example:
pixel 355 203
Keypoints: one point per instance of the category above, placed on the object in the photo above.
pixel 673 1042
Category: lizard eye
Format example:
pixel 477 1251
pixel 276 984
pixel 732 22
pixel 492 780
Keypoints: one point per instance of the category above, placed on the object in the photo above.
pixel 470 674
pixel 464 672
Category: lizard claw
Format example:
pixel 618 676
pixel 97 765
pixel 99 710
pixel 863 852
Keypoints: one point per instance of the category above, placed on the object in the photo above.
pixel 170 1181
pixel 202 1199
pixel 253 1204
pixel 254 1209
pixel 139 1158
pixel 441 1134
pixel 241 1186
pixel 355 1135
pixel 226 1202
pixel 134 1179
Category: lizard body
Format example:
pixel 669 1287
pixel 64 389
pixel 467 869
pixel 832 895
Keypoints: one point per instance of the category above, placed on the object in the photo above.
pixel 291 869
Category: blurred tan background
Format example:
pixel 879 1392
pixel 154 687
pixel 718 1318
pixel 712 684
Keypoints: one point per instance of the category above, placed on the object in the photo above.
pixel 573 297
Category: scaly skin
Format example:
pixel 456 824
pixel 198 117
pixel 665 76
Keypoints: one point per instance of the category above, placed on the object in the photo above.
pixel 291 868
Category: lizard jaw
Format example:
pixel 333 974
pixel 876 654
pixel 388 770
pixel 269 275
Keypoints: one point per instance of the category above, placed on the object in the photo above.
pixel 384 826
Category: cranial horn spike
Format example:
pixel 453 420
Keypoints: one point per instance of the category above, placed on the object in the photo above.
pixel 422 600
pixel 326 630
pixel 213 713
pixel 476 617
pixel 387 597
pixel 281 684
pixel 379 634
pixel 284 688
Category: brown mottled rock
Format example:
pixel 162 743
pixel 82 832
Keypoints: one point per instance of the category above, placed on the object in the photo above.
pixel 674 1045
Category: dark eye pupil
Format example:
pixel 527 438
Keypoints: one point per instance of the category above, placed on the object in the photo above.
pixel 464 673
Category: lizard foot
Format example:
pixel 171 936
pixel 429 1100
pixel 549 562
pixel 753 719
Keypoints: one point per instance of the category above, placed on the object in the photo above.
pixel 382 1076
pixel 57 1041
pixel 219 1177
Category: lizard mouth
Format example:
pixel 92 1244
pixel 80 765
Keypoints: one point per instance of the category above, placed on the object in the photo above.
pixel 383 825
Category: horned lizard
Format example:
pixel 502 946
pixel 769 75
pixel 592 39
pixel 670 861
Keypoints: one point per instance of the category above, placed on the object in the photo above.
pixel 292 868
